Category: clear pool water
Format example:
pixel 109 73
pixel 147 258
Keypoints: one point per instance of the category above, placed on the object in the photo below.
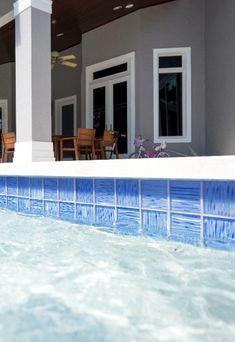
pixel 62 282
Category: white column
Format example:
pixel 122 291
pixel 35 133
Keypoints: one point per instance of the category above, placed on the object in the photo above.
pixel 33 81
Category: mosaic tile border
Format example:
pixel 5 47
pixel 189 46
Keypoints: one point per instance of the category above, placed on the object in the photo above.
pixel 195 212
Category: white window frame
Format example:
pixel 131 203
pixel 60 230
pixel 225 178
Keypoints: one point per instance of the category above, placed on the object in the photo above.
pixel 128 58
pixel 185 52
pixel 59 103
pixel 4 106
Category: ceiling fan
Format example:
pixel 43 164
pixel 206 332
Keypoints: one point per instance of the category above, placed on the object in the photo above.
pixel 56 57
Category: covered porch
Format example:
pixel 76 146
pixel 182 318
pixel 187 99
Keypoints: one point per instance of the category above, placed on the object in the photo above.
pixel 135 74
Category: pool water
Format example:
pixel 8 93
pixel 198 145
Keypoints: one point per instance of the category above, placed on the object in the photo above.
pixel 62 282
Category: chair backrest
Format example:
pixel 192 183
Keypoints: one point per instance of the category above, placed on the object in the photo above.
pixel 9 140
pixel 85 136
pixel 109 138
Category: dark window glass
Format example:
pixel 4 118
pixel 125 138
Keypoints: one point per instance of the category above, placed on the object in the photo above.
pixel 120 114
pixel 170 62
pixel 110 71
pixel 99 110
pixel 170 104
pixel 67 120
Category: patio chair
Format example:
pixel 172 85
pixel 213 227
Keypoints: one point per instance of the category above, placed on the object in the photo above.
pixel 110 139
pixel 107 145
pixel 8 145
pixel 83 143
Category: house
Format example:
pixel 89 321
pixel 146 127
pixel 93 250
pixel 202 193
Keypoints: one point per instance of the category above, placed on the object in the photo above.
pixel 163 69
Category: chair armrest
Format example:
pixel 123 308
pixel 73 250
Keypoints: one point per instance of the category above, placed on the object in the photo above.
pixel 68 138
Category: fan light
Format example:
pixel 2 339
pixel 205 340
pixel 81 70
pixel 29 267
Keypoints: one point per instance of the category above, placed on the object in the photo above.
pixel 117 8
pixel 129 6
pixel 61 34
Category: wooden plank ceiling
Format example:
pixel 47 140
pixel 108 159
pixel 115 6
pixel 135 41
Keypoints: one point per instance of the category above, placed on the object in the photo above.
pixel 73 18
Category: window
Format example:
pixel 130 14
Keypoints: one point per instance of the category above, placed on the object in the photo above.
pixel 172 95
pixel 110 71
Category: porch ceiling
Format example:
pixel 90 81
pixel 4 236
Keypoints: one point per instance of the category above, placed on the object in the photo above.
pixel 74 17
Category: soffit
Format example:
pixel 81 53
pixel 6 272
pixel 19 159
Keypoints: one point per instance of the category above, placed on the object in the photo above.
pixel 73 18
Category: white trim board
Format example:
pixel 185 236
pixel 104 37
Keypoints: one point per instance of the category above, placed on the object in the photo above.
pixel 7 18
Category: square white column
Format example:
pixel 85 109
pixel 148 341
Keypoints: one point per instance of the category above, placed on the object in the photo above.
pixel 33 81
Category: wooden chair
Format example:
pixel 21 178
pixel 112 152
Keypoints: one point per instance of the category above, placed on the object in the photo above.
pixel 86 142
pixel 8 145
pixel 110 139
pixel 56 146
pixel 83 143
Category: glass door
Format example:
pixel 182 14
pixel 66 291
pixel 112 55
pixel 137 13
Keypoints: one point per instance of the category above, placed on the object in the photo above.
pixel 119 110
pixel 99 105
pixel 110 109
pixel 65 116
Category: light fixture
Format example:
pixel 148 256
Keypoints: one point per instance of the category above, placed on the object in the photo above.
pixel 129 6
pixel 117 8
pixel 61 34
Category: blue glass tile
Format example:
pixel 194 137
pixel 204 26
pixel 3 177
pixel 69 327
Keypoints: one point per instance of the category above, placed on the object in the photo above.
pixel 84 214
pixel 104 216
pixel 51 209
pixel 66 186
pixel 67 211
pixel 128 221
pixel 50 188
pixel 104 191
pixel 3 185
pixel 219 198
pixel 185 196
pixel 154 194
pixel 12 203
pixel 23 205
pixel 23 186
pixel 128 192
pixel 84 190
pixel 154 223
pixel 3 201
pixel 219 233
pixel 12 186
pixel 36 188
pixel 36 207
pixel 186 228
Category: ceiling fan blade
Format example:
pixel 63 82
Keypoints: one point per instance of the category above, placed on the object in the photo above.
pixel 68 57
pixel 69 64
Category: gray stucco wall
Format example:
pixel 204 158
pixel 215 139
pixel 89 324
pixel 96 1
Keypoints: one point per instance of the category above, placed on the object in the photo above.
pixel 6 6
pixel 177 24
pixel 67 81
pixel 220 77
pixel 7 91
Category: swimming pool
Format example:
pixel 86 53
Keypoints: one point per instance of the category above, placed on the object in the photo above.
pixel 62 282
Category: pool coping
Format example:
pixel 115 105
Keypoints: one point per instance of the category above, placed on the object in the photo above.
pixel 197 168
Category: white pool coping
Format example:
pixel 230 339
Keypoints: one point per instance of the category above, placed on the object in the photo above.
pixel 202 168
